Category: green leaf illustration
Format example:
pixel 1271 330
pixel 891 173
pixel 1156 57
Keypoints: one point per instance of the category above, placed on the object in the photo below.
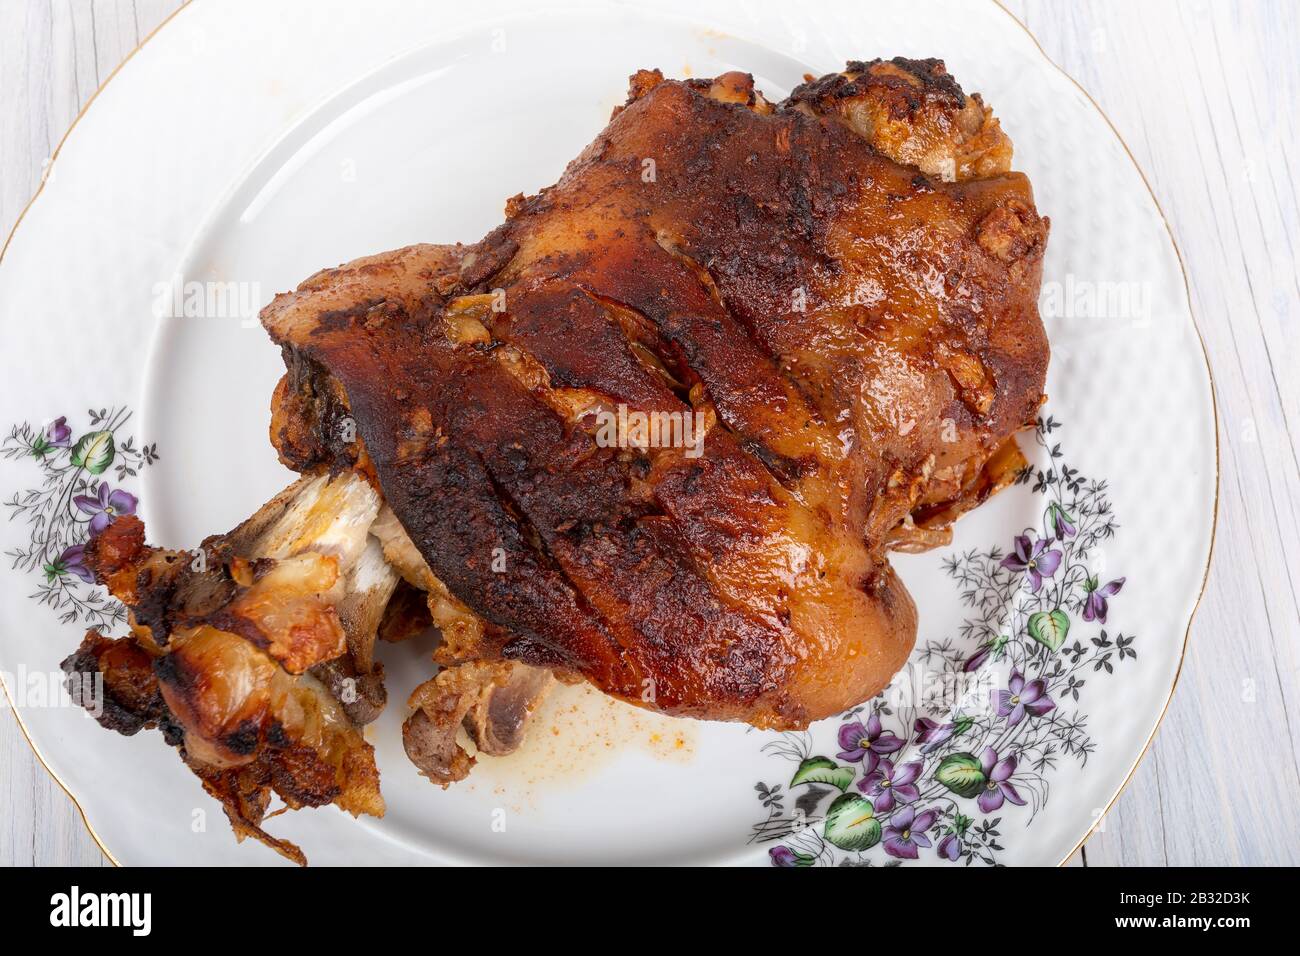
pixel 962 774
pixel 94 452
pixel 1049 629
pixel 822 770
pixel 851 823
pixel 960 824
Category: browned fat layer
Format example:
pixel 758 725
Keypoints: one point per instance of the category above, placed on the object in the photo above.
pixel 546 321
pixel 576 497
pixel 781 469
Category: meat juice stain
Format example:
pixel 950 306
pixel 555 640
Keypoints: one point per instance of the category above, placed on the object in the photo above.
pixel 578 732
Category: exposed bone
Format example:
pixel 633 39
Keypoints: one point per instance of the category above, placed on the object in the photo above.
pixel 326 514
pixel 331 516
pixel 498 722
pixel 368 586
pixel 492 700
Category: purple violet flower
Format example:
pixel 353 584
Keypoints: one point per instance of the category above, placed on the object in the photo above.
pixel 868 743
pixel 998 787
pixel 950 847
pixel 57 433
pixel 1096 605
pixel 906 832
pixel 1020 698
pixel 106 507
pixel 887 786
pixel 783 856
pixel 930 734
pixel 978 658
pixel 1062 524
pixel 1035 558
pixel 73 561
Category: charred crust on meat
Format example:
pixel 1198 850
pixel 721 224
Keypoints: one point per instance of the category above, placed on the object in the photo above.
pixel 335 320
pixel 276 736
pixel 310 415
pixel 1013 231
pixel 115 679
pixel 243 740
pixel 911 81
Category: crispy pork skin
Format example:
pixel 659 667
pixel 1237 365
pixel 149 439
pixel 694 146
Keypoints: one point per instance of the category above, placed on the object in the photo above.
pixel 839 289
pixel 914 112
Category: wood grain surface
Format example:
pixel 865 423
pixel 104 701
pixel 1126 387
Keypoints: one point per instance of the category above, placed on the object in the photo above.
pixel 1205 95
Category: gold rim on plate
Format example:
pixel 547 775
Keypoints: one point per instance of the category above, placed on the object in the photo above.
pixel 40 187
pixel 1214 412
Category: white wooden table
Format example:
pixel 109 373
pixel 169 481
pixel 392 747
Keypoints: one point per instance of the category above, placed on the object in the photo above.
pixel 1205 94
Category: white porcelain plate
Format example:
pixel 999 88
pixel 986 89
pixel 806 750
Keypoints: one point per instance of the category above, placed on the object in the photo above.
pixel 247 145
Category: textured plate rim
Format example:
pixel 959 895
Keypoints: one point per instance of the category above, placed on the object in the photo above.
pixel 1214 421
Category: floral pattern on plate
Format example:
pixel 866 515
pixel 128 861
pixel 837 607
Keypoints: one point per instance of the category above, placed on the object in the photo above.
pixel 72 503
pixel 936 773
